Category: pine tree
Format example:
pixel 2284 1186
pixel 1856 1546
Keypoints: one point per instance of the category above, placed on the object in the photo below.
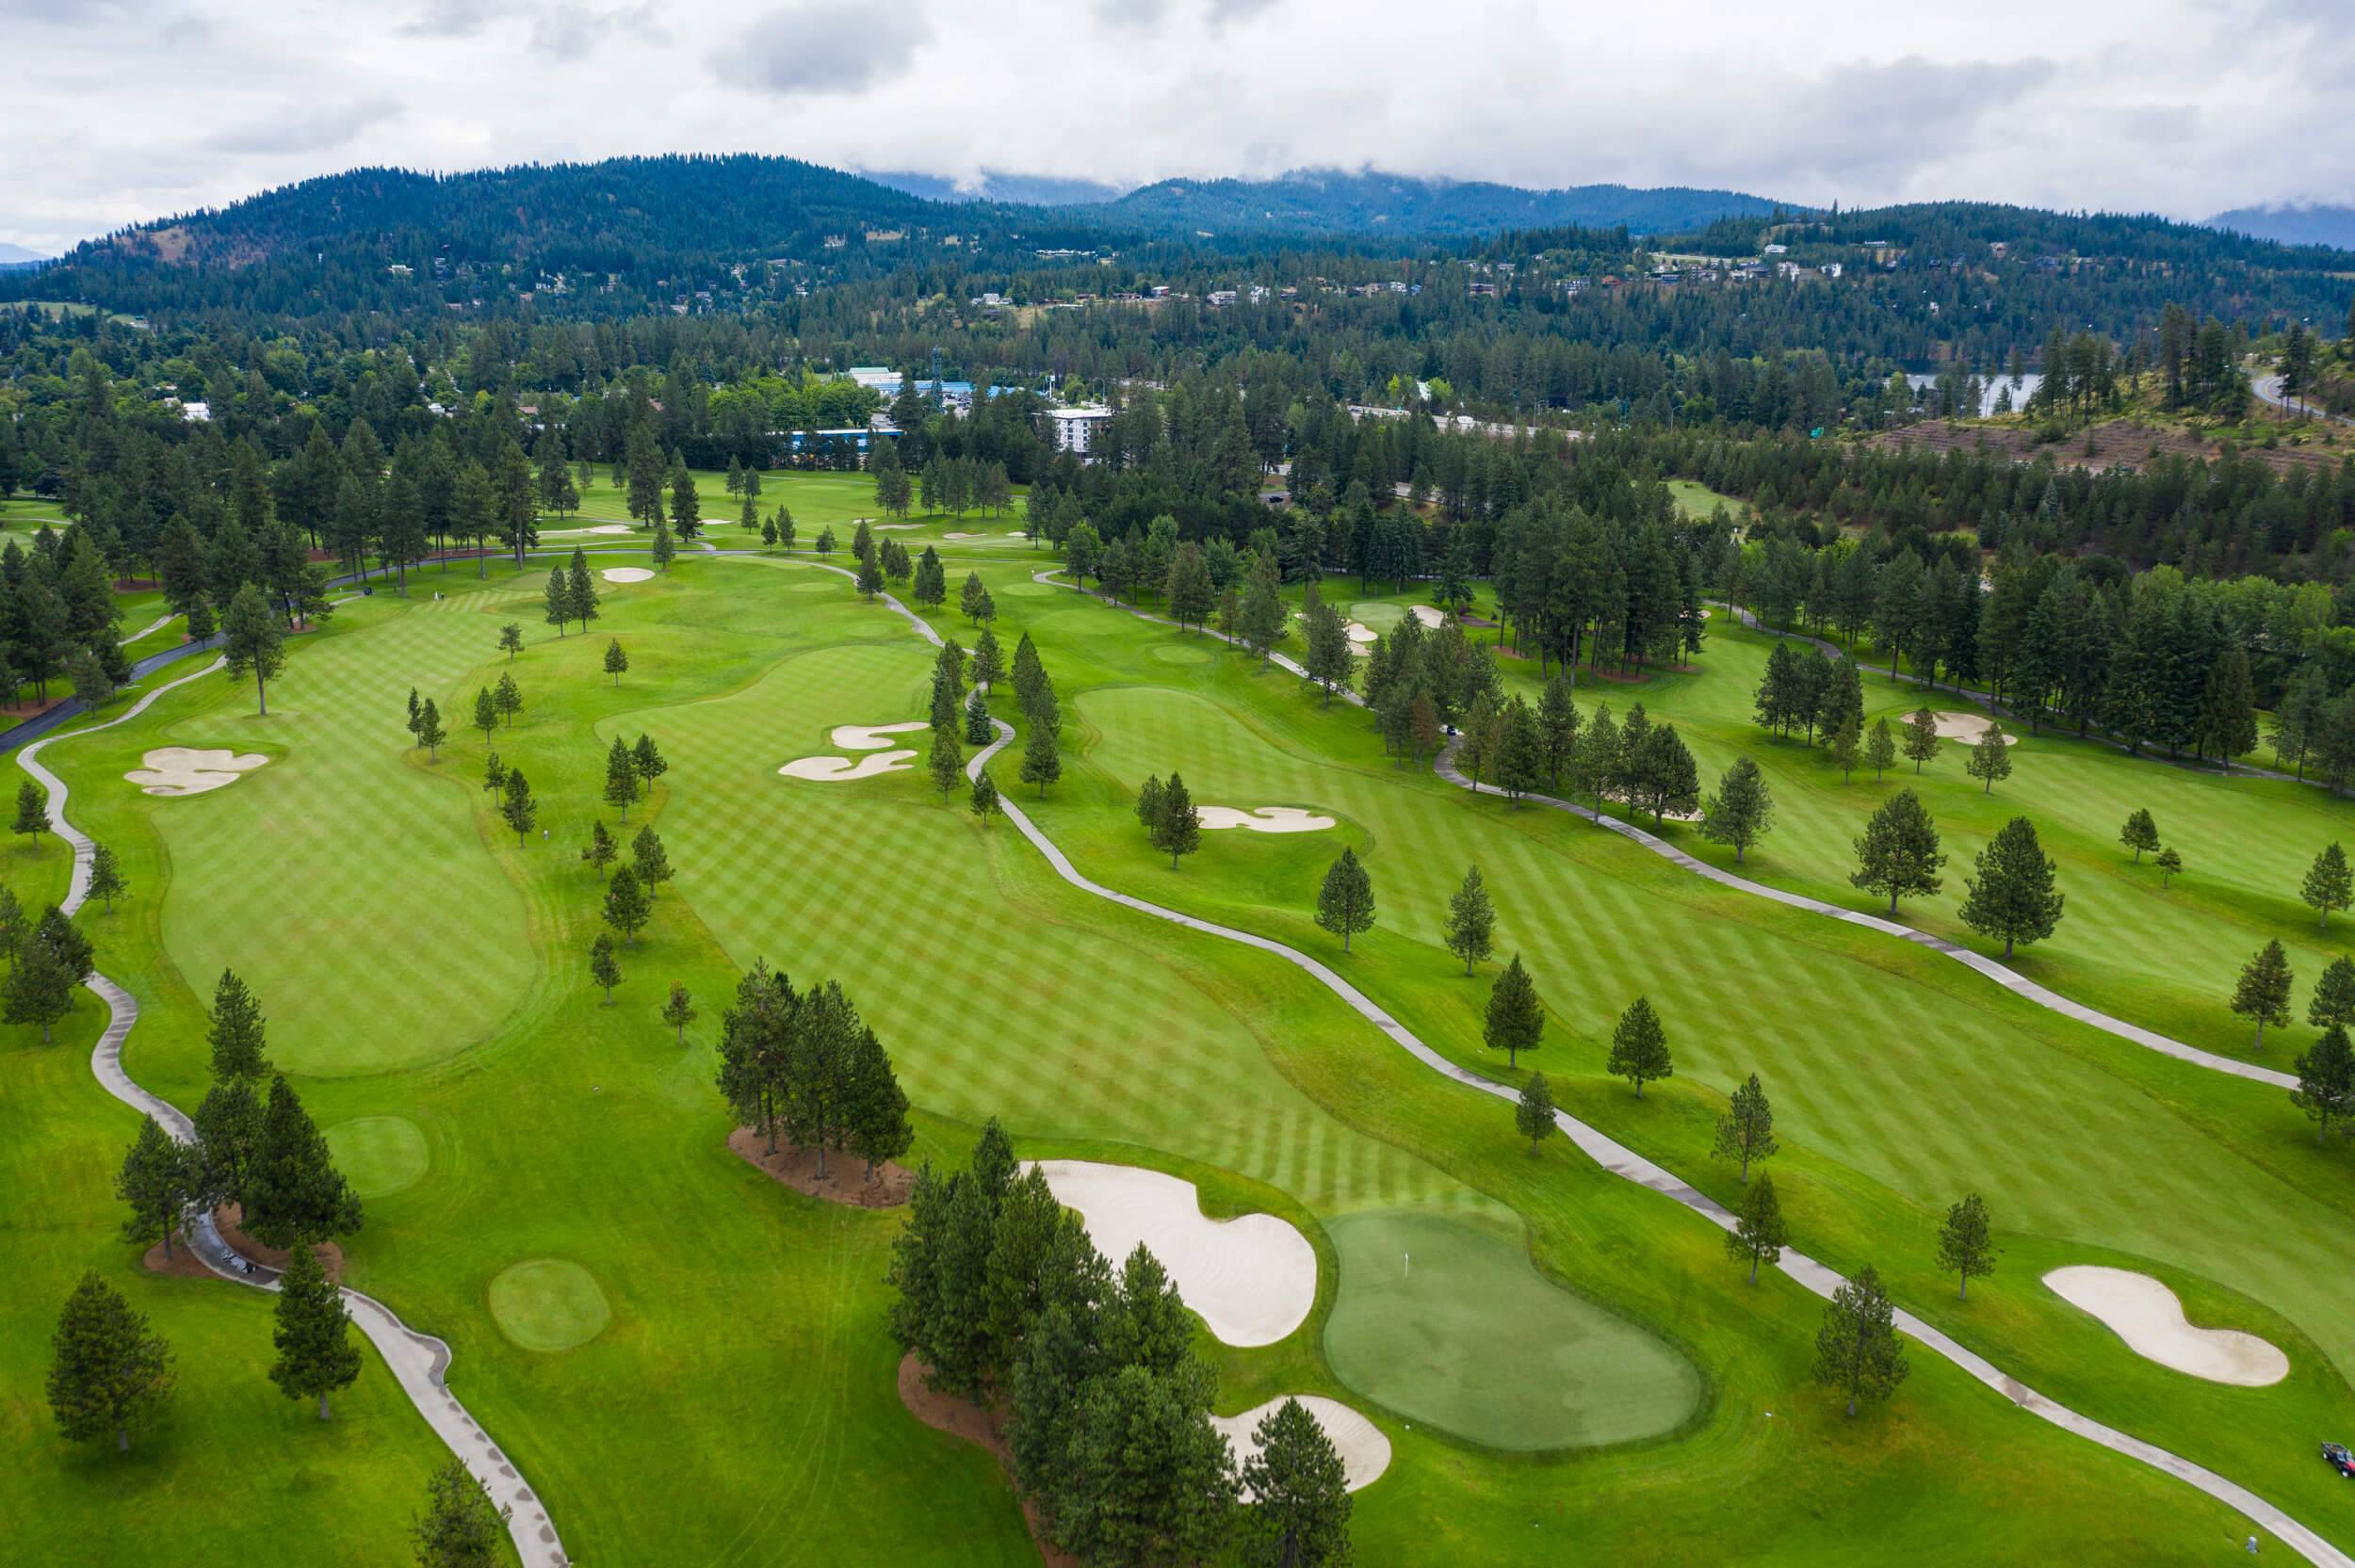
pixel 1881 748
pixel 2334 995
pixel 516 806
pixel 650 861
pixel 1899 853
pixel 1534 1113
pixel 486 713
pixel 460 1528
pixel 648 758
pixel 1557 725
pixel 1964 1249
pixel 1345 901
pixel 1299 1491
pixel 983 798
pixel 1743 810
pixel 665 549
pixel 293 1193
pixel 989 665
pixel 508 698
pixel 1920 738
pixel 2140 833
pixel 679 1010
pixel 511 641
pixel 605 967
pixel 948 758
pixel 621 777
pixel 1747 1131
pixel 2263 991
pixel 1990 759
pixel 1177 826
pixel 2012 897
pixel 1846 747
pixel 32 811
pixel 2326 1082
pixel 978 731
pixel 560 600
pixel 1472 921
pixel 875 1111
pixel 159 1179
pixel 1515 1018
pixel 1856 1352
pixel 1042 765
pixel 616 662
pixel 2328 884
pixel 315 1355
pixel 626 904
pixel 2226 724
pixel 238 1033
pixel 1758 1232
pixel 2171 865
pixel 494 772
pixel 106 881
pixel 253 642
pixel 1598 758
pixel 1639 1047
pixel 107 1375
pixel 430 731
pixel 601 851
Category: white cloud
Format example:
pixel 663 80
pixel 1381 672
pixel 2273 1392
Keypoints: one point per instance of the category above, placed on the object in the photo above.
pixel 2182 107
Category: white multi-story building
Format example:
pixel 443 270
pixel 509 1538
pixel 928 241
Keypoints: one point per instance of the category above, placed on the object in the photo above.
pixel 1075 428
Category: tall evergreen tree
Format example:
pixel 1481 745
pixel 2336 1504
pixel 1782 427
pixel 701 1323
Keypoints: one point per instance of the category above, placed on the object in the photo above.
pixel 108 1376
pixel 1532 1115
pixel 1177 826
pixel 106 881
pixel 1921 741
pixel 616 661
pixel 947 761
pixel 315 1355
pixel 293 1193
pixel 1991 758
pixel 1472 921
pixel 1758 1232
pixel 1747 1131
pixel 679 1010
pixel 605 965
pixel 520 812
pixel 1743 810
pixel 1299 1492
pixel 601 851
pixel 237 1031
pixel 1639 1047
pixel 2263 991
pixel 1042 765
pixel 621 777
pixel 159 1179
pixel 253 643
pixel 2326 1083
pixel 627 906
pixel 460 1526
pixel 1898 854
pixel 2334 995
pixel 2013 897
pixel 1965 1247
pixel 2328 885
pixel 1345 901
pixel 2140 833
pixel 1856 1352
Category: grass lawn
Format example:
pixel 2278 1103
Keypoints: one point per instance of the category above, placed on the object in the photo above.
pixel 688 1359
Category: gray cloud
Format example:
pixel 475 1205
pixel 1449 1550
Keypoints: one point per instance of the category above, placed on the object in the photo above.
pixel 568 31
pixel 322 130
pixel 453 19
pixel 832 46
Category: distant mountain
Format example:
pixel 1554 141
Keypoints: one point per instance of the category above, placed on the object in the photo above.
pixel 1337 202
pixel 17 254
pixel 2322 223
pixel 1035 190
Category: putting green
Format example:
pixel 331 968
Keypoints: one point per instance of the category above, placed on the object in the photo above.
pixel 1022 590
pixel 1180 653
pixel 1374 615
pixel 378 1155
pixel 1444 1319
pixel 546 1304
pixel 824 585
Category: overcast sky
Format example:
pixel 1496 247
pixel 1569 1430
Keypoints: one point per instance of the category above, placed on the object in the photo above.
pixel 121 110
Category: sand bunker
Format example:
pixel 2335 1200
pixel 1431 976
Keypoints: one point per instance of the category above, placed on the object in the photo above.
pixel 1365 1452
pixel 609 529
pixel 965 536
pixel 1265 819
pixel 1428 616
pixel 626 574
pixel 2146 1315
pixel 1251 1279
pixel 869 738
pixel 842 769
pixel 1359 633
pixel 178 770
pixel 1967 728
pixel 881 528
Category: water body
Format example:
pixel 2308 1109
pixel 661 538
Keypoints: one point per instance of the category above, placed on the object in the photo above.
pixel 2021 389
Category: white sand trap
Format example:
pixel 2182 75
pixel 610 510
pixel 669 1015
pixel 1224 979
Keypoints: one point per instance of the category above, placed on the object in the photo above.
pixel 1365 1452
pixel 1967 728
pixel 1265 819
pixel 881 528
pixel 965 536
pixel 1358 632
pixel 1016 533
pixel 609 529
pixel 178 770
pixel 869 738
pixel 842 769
pixel 1251 1279
pixel 626 574
pixel 2146 1315
pixel 1428 616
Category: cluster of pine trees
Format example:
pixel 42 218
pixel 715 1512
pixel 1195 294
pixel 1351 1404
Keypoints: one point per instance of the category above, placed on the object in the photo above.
pixel 802 1065
pixel 49 957
pixel 1000 1290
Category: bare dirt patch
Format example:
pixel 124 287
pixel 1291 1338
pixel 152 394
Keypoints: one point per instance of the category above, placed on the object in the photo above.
pixel 845 1181
pixel 983 1425
pixel 2119 443
pixel 227 1220
pixel 183 1262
